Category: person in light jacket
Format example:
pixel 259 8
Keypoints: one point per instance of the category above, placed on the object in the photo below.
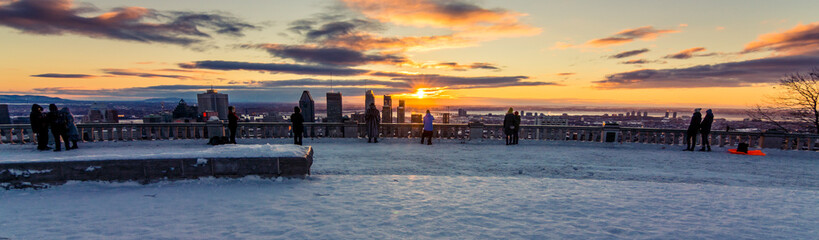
pixel 428 118
pixel 73 133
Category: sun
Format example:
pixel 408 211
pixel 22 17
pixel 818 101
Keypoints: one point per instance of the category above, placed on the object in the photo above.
pixel 420 93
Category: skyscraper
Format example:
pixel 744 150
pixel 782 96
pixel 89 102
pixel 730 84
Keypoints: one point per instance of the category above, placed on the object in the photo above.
pixel 445 118
pixel 666 113
pixel 368 99
pixel 416 118
pixel 308 107
pixel 334 107
pixel 4 114
pixel 211 101
pixel 675 115
pixel 461 112
pixel 400 112
pixel 386 110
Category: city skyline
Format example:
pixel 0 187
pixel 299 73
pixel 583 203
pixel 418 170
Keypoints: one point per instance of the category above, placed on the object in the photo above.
pixel 728 54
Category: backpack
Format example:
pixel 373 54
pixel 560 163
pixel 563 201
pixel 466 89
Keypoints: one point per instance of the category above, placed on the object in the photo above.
pixel 62 120
pixel 742 147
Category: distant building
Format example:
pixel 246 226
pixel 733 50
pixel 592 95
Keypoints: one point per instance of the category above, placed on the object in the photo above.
pixel 522 113
pixel 675 115
pixel 4 114
pixel 334 107
pixel 272 117
pixel 111 116
pixel 400 112
pixel 308 107
pixel 461 112
pixel 445 118
pixel 633 113
pixel 666 113
pixel 645 114
pixel 416 118
pixel 212 101
pixel 552 120
pixel 386 110
pixel 369 98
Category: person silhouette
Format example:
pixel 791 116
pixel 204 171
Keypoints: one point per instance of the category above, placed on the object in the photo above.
pixel 693 129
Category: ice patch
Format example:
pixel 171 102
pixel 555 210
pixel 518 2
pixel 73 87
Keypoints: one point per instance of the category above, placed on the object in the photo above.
pixel 27 172
pixel 92 168
pixel 201 162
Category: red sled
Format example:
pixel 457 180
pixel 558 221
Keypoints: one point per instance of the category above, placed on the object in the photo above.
pixel 751 152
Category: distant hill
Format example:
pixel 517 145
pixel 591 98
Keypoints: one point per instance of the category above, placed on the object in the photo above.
pixel 33 99
pixel 168 100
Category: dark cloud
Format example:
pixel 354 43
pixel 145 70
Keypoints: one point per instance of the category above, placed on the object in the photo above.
pixel 332 28
pixel 628 35
pixel 60 75
pixel 125 72
pixel 566 74
pixel 329 55
pixel 57 17
pixel 730 74
pixel 629 53
pixel 455 82
pixel 275 68
pixel 641 61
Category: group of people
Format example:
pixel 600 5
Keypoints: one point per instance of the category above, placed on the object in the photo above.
pixel 62 126
pixel 703 127
pixel 511 126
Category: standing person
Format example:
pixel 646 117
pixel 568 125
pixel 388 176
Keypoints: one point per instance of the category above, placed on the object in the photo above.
pixel 427 128
pixel 373 119
pixel 233 123
pixel 73 133
pixel 509 126
pixel 39 125
pixel 298 125
pixel 693 128
pixel 58 127
pixel 516 133
pixel 705 130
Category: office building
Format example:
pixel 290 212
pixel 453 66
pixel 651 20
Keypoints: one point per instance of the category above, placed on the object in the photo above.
pixel 461 112
pixel 666 113
pixel 674 115
pixel 111 116
pixel 212 101
pixel 445 118
pixel 334 107
pixel 308 107
pixel 4 114
pixel 400 112
pixel 369 98
pixel 386 110
pixel 416 118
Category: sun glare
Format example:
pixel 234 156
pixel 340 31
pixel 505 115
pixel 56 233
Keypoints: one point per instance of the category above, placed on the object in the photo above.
pixel 420 93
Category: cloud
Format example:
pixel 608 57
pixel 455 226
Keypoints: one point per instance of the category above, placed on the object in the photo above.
pixel 57 17
pixel 329 55
pixel 566 74
pixel 60 75
pixel 797 40
pixel 641 61
pixel 467 19
pixel 275 68
pixel 456 82
pixel 629 35
pixel 730 74
pixel 127 72
pixel 629 53
pixel 689 53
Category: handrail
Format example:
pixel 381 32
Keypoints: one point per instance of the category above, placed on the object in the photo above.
pixel 91 132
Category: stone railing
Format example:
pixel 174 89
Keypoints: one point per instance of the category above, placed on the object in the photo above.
pixel 91 132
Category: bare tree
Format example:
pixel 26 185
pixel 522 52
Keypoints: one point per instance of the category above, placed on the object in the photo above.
pixel 795 106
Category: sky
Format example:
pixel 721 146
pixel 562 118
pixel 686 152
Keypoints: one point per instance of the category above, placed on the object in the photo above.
pixel 450 52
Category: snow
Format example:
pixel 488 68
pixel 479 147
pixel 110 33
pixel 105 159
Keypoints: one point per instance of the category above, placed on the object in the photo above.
pixel 399 189
pixel 148 150
pixel 26 172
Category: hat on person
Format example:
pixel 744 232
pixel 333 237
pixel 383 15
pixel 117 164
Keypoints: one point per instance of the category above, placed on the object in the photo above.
pixel 697 109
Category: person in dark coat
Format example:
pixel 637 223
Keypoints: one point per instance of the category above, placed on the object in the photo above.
pixel 516 133
pixel 39 125
pixel 59 127
pixel 298 125
pixel 705 130
pixel 428 128
pixel 373 119
pixel 71 128
pixel 233 123
pixel 509 125
pixel 693 129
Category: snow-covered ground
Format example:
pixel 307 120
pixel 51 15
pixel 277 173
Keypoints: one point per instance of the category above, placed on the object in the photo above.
pixel 399 189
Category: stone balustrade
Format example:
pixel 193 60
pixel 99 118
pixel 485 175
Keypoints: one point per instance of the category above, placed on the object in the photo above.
pixel 92 132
